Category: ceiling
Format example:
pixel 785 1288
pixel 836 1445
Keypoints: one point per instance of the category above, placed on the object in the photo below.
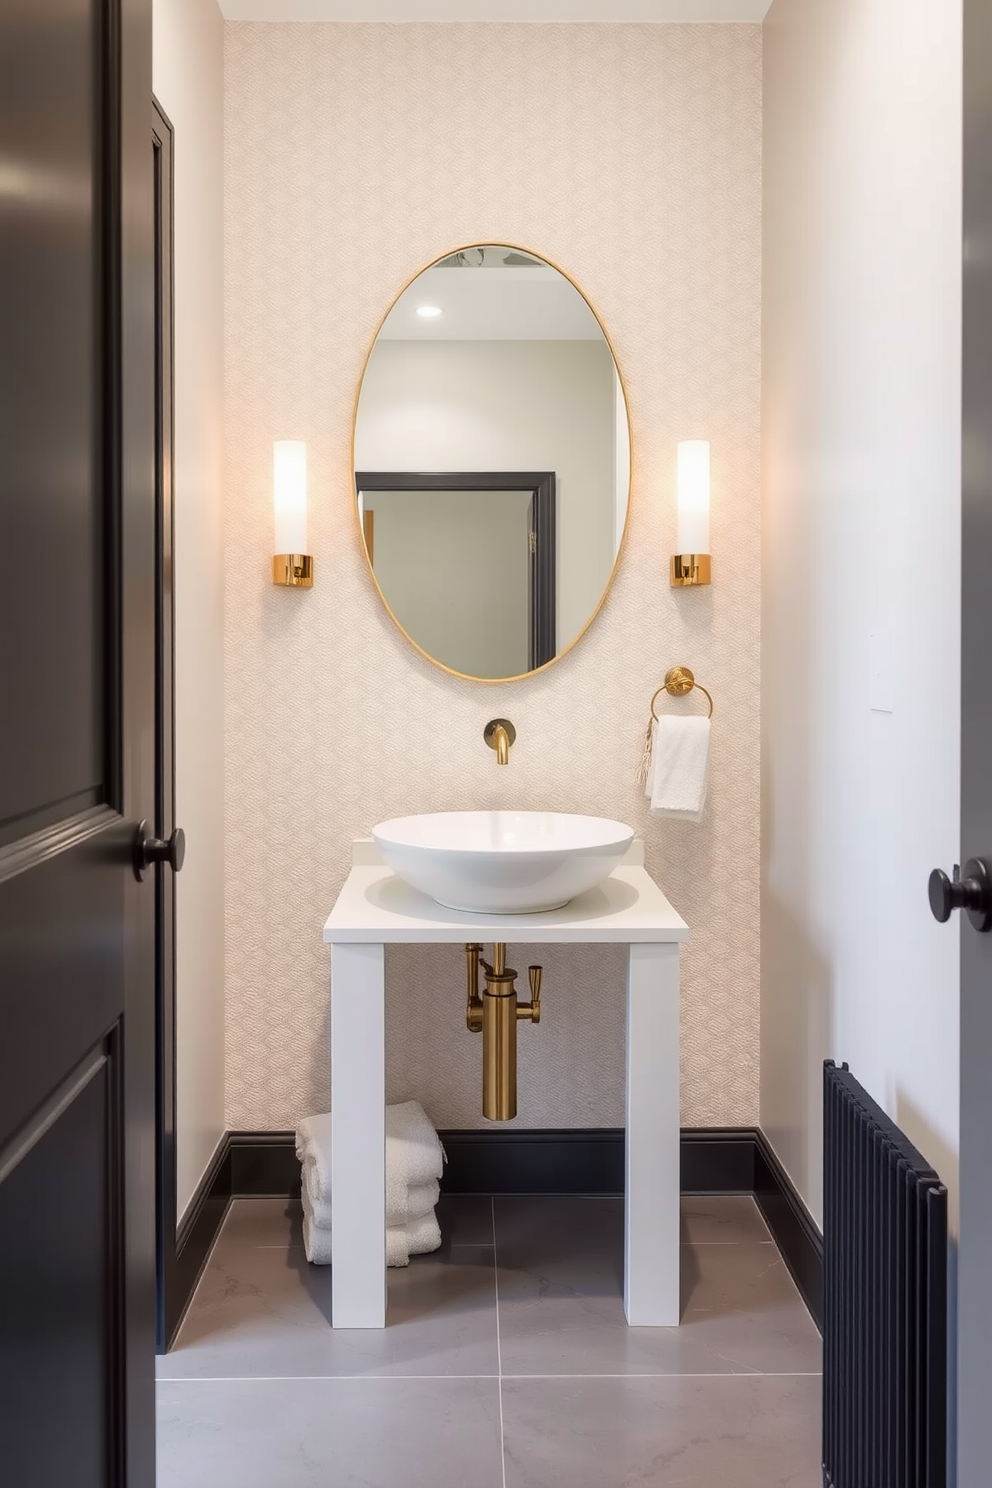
pixel 495 10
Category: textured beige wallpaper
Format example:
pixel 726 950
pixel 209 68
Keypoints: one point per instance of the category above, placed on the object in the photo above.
pixel 355 154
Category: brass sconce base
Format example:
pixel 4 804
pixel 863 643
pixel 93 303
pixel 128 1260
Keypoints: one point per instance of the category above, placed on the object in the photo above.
pixel 690 569
pixel 293 570
pixel 495 1014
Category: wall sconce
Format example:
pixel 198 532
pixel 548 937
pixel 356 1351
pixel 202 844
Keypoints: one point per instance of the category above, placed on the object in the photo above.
pixel 691 564
pixel 292 564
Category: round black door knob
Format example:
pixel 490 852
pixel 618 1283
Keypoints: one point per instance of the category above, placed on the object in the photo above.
pixel 149 850
pixel 944 893
pixel 972 893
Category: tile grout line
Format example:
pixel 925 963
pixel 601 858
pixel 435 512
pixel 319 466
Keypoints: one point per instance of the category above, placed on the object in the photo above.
pixel 499 1352
pixel 297 1379
pixel 738 1374
pixel 268 1379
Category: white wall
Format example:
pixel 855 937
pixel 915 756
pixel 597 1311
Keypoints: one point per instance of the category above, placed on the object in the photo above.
pixel 506 405
pixel 189 81
pixel 861 564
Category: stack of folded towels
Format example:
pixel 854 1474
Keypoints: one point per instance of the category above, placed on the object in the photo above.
pixel 414 1161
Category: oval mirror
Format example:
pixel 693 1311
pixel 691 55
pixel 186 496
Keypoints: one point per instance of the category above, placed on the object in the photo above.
pixel 492 462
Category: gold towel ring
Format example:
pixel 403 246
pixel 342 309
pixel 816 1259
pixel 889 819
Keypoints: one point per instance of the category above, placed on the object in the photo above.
pixel 678 683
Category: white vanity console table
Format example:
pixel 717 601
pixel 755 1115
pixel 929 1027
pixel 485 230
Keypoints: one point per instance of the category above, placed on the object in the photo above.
pixel 374 909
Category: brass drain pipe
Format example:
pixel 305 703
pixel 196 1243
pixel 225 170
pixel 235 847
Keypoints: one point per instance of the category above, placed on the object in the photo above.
pixel 495 1013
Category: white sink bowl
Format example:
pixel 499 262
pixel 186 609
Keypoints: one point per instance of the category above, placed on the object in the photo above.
pixel 502 862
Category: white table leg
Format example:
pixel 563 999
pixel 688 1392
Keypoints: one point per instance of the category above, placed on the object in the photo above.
pixel 651 1271
pixel 358 1137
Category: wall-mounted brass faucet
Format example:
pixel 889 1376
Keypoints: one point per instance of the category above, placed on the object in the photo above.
pixel 495 1013
pixel 499 734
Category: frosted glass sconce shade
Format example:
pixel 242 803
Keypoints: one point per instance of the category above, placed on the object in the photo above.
pixel 292 565
pixel 691 564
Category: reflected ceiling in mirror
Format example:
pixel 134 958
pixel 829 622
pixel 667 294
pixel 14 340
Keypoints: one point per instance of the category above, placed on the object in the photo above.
pixel 492 462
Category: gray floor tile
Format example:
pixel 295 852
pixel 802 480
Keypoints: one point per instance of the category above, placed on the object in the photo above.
pixel 535 1222
pixel 707 1219
pixel 561 1303
pixel 263 1311
pixel 465 1219
pixel 269 1223
pixel 742 1305
pixel 753 1432
pixel 319 1433
pixel 722 1219
pixel 587 1401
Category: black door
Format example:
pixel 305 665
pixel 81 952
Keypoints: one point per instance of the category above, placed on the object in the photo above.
pixel 77 654
pixel 974 1364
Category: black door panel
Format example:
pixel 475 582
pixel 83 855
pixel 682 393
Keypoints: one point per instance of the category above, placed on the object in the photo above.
pixel 77 665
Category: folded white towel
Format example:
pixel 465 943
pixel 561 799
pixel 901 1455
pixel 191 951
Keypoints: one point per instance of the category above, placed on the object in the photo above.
pixel 680 767
pixel 419 1237
pixel 414 1154
pixel 413 1203
pixel 413 1147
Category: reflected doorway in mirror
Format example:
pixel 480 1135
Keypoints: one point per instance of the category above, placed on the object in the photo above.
pixel 466 563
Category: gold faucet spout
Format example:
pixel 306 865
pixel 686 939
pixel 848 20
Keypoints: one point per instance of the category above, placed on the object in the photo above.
pixel 500 735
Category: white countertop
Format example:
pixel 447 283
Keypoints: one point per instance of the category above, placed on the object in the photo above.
pixel 375 907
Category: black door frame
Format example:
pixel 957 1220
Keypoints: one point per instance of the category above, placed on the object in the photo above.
pixel 181 1248
pixel 542 644
pixel 129 308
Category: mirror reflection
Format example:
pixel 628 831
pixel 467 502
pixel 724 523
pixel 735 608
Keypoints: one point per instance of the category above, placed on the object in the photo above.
pixel 492 462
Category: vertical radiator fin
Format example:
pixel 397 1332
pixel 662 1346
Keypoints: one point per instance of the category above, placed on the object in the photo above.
pixel 885 1299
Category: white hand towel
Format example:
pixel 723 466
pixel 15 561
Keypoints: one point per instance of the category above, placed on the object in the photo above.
pixel 419 1237
pixel 412 1203
pixel 680 768
pixel 414 1154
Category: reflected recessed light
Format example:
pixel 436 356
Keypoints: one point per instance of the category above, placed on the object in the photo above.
pixel 428 312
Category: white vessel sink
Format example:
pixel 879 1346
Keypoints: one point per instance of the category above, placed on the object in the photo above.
pixel 502 862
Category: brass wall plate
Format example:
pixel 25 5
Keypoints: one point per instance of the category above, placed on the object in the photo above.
pixel 489 732
pixel 689 570
pixel 293 570
pixel 679 681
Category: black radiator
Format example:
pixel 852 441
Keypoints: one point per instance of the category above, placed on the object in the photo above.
pixel 885 1299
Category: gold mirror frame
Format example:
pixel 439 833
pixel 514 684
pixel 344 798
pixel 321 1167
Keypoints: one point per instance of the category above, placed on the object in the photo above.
pixel 559 655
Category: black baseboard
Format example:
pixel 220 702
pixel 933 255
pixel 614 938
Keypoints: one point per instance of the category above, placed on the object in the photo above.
pixel 714 1160
pixel 791 1224
pixel 263 1165
pixel 588 1160
pixel 193 1243
pixel 717 1160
